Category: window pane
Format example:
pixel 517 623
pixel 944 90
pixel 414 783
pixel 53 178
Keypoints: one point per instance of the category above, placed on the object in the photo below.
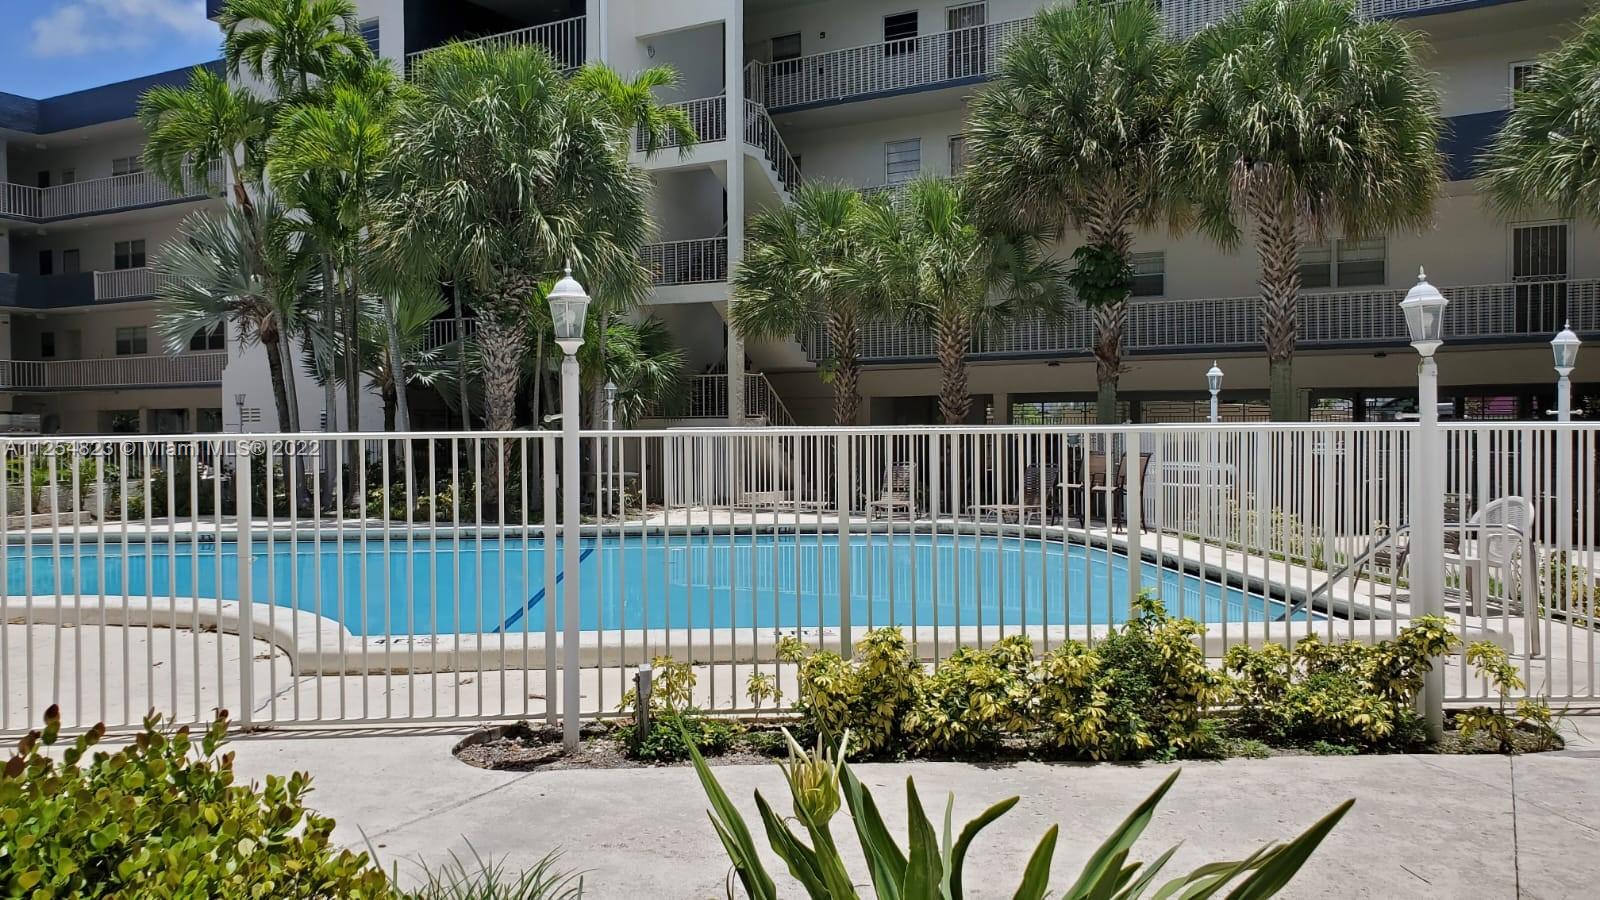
pixel 1363 263
pixel 785 46
pixel 70 262
pixel 899 33
pixel 1316 265
pixel 47 344
pixel 958 154
pixel 136 254
pixel 903 160
pixel 121 255
pixel 1150 274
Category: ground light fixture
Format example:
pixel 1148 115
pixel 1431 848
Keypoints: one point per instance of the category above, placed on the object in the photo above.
pixel 1565 349
pixel 1424 311
pixel 569 306
pixel 1214 385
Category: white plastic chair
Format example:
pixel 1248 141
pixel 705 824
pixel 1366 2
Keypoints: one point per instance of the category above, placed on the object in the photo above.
pixel 1493 539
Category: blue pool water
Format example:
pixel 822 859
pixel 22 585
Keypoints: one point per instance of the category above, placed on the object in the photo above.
pixel 770 581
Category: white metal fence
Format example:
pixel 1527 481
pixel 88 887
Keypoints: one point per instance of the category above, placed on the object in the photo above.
pixel 99 195
pixel 123 284
pixel 695 261
pixel 361 579
pixel 708 116
pixel 115 372
pixel 706 397
pixel 759 132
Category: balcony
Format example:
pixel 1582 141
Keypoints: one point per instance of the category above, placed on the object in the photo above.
pixel 698 261
pixel 46 291
pixel 1519 312
pixel 183 370
pixel 105 195
pixel 708 116
pixel 1185 17
pixel 566 41
pixel 128 284
pixel 706 397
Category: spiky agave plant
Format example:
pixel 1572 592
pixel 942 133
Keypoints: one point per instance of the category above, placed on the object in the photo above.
pixel 931 866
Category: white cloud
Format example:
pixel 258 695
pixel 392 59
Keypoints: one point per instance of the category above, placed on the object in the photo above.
pixel 81 27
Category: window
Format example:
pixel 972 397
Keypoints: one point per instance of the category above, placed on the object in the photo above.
pixel 129 254
pixel 902 160
pixel 1150 274
pixel 1521 74
pixel 371 32
pixel 958 154
pixel 70 262
pixel 1344 263
pixel 786 46
pixel 43 178
pixel 126 165
pixel 69 176
pixel 208 340
pixel 120 421
pixel 47 345
pixel 1363 263
pixel 47 262
pixel 132 341
pixel 899 33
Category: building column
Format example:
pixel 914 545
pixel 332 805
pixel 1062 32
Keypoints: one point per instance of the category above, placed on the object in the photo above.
pixel 594 30
pixel 5 233
pixel 733 80
pixel 1001 403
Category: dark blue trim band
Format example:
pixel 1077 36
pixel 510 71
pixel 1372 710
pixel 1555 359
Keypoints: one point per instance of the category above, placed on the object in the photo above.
pixel 533 601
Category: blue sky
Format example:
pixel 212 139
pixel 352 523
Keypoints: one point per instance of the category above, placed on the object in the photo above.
pixel 51 47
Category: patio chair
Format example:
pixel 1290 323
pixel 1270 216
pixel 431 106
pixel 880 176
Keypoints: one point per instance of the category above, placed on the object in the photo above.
pixel 1034 505
pixel 1493 540
pixel 899 492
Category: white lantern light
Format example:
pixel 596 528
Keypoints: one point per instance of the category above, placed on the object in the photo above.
pixel 1424 311
pixel 1214 378
pixel 569 309
pixel 1565 347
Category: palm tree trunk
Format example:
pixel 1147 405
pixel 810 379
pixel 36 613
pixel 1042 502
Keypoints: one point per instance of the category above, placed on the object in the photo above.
pixel 1108 228
pixel 536 399
pixel 291 393
pixel 330 312
pixel 461 360
pixel 390 404
pixel 502 345
pixel 1278 242
pixel 841 328
pixel 352 349
pixel 280 393
pixel 401 409
pixel 953 335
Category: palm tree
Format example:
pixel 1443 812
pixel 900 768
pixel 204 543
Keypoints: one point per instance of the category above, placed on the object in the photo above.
pixel 407 351
pixel 504 174
pixel 640 359
pixel 208 119
pixel 290 44
pixel 795 276
pixel 927 257
pixel 1298 115
pixel 1070 132
pixel 246 272
pixel 328 156
pixel 1547 155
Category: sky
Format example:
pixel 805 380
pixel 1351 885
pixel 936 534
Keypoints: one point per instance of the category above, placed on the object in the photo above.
pixel 50 47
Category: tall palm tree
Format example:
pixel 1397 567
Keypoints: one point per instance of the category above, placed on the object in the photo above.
pixel 246 272
pixel 1299 115
pixel 504 174
pixel 329 155
pixel 208 119
pixel 640 359
pixel 290 44
pixel 929 258
pixel 1548 152
pixel 1070 132
pixel 411 315
pixel 795 276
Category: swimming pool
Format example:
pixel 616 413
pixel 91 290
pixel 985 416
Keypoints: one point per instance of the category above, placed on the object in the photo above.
pixel 765 581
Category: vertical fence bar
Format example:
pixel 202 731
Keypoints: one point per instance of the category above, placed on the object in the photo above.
pixel 242 544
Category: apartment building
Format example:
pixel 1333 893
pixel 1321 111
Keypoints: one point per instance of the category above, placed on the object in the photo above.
pixel 873 93
pixel 79 224
pixel 868 94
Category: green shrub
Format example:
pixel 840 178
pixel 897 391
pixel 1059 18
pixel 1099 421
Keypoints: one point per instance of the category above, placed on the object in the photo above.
pixel 869 695
pixel 1532 715
pixel 1141 692
pixel 489 880
pixel 972 698
pixel 933 865
pixel 672 732
pixel 162 817
pixel 1349 694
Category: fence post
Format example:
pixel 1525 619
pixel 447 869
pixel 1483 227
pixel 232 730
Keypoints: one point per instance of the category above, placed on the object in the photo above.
pixel 242 546
pixel 571 534
pixel 842 489
pixel 1134 514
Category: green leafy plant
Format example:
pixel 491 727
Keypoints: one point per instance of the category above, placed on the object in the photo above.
pixel 675 722
pixel 972 698
pixel 762 689
pixel 488 880
pixel 162 817
pixel 1349 693
pixel 1142 691
pixel 1531 716
pixel 1100 275
pixel 932 867
pixel 869 695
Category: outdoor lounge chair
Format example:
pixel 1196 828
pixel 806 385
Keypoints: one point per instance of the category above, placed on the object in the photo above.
pixel 899 492
pixel 1034 505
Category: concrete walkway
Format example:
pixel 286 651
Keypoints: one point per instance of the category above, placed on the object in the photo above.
pixel 1422 826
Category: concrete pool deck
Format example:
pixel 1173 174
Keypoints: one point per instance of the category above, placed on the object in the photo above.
pixel 1422 826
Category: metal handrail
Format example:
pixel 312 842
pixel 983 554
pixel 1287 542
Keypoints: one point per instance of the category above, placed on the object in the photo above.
pixel 566 41
pixel 759 132
pixel 101 195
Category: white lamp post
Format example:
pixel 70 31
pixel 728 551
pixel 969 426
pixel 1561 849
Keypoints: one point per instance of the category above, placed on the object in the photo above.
pixel 1565 348
pixel 1214 385
pixel 569 309
pixel 1424 312
pixel 611 425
